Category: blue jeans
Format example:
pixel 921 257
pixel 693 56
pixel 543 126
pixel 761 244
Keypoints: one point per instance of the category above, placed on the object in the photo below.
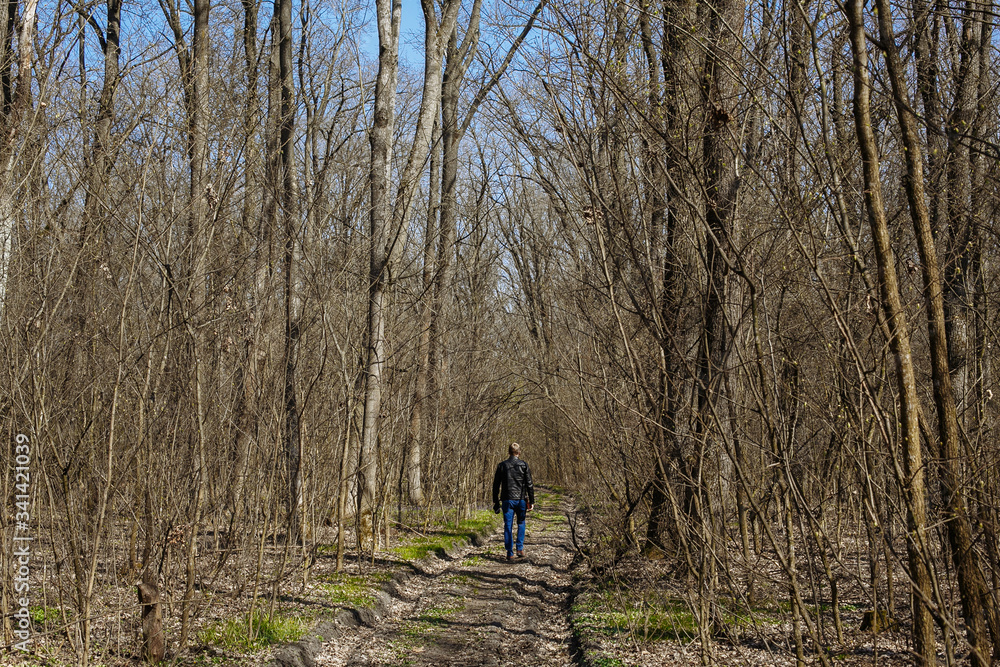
pixel 510 507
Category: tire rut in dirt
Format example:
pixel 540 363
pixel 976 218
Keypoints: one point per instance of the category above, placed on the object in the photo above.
pixel 484 611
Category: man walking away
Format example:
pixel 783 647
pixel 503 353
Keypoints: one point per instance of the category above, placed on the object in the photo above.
pixel 513 493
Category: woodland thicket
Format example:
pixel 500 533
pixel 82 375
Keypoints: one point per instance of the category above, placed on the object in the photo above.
pixel 722 267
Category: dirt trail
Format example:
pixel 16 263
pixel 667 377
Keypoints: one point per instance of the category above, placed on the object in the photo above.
pixel 478 609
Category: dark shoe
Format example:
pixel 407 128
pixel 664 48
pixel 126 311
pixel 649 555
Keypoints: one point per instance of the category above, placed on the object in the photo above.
pixel 520 553
pixel 510 559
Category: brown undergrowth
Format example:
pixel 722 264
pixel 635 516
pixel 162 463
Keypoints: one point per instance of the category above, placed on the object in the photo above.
pixel 642 611
pixel 240 617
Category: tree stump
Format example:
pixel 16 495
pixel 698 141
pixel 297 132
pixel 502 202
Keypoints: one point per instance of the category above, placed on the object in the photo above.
pixel 878 621
pixel 152 623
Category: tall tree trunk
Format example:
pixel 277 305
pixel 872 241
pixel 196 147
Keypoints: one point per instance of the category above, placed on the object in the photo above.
pixel 288 213
pixel 664 200
pixel 961 228
pixel 721 157
pixel 437 283
pixel 971 585
pixel 458 59
pixel 389 218
pixel 912 477
pixel 193 63
pixel 387 13
pixel 16 92
pixel 249 366
pixel 420 392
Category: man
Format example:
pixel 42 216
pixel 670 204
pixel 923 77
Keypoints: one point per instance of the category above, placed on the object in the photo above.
pixel 513 488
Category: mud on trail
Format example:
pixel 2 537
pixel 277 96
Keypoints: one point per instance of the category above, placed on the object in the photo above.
pixel 479 610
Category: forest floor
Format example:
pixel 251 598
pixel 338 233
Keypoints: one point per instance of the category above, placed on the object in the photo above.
pixel 442 593
pixel 479 609
pixel 476 609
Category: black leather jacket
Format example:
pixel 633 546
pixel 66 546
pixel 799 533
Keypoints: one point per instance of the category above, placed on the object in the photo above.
pixel 512 481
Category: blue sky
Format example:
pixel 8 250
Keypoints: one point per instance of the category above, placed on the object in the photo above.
pixel 411 35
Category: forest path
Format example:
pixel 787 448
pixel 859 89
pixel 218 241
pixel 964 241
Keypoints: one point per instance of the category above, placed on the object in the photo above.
pixel 480 610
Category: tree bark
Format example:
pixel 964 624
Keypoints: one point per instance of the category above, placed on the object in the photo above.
pixel 721 182
pixel 249 367
pixel 389 217
pixel 387 14
pixel 16 100
pixel 662 173
pixel 961 228
pixel 287 208
pixel 421 394
pixel 193 64
pixel 152 623
pixel 972 587
pixel 912 477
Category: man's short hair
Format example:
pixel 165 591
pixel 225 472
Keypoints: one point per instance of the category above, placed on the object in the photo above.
pixel 514 449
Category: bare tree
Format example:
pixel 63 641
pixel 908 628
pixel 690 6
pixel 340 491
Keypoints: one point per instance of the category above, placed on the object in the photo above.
pixel 389 215
pixel 15 85
pixel 911 477
pixel 971 584
pixel 193 61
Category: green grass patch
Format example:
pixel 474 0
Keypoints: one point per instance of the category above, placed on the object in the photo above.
pixel 446 535
pixel 459 579
pixel 353 590
pixel 422 546
pixel 645 618
pixel 205 659
pixel 771 612
pixel 402 652
pixel 480 522
pixel 606 661
pixel 261 631
pixel 547 521
pixel 40 616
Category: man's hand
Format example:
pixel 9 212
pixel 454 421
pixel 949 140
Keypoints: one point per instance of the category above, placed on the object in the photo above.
pixel 529 507
pixel 496 508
